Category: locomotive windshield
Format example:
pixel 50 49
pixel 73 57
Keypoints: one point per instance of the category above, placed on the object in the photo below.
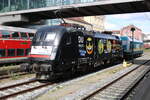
pixel 47 36
pixel 50 36
pixel 37 36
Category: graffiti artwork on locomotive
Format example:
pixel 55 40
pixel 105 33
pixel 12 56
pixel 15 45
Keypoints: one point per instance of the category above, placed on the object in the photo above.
pixel 15 44
pixel 57 49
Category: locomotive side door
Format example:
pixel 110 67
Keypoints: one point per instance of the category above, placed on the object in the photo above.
pixel 68 48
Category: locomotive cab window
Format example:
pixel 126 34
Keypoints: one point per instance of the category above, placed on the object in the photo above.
pixel 50 36
pixel 37 36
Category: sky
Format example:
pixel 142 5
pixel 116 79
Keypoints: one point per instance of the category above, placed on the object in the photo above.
pixel 117 21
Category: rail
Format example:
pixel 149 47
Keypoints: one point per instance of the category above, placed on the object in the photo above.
pixel 29 87
pixel 96 92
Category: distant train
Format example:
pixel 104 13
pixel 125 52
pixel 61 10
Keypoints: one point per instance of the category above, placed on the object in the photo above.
pixel 146 44
pixel 15 43
pixel 128 44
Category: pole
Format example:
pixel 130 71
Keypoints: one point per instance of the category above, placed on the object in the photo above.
pixel 132 29
pixel 132 46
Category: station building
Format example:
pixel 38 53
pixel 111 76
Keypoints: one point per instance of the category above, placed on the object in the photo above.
pixel 138 34
pixel 16 5
pixel 91 22
pixel 126 31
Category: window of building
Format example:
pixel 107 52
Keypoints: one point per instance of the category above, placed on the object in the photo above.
pixel 50 36
pixel 20 52
pixel 5 34
pixel 11 52
pixel 4 6
pixel 23 35
pixel 13 5
pixel 2 53
pixel 31 35
pixel 27 51
pixel 15 35
pixel 54 22
pixel 37 3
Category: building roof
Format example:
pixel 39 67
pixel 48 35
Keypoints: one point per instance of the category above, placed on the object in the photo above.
pixel 131 26
pixel 79 19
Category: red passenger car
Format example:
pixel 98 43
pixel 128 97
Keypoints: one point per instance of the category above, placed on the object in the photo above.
pixel 15 43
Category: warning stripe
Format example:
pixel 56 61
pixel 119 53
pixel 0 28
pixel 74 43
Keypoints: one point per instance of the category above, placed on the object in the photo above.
pixel 39 56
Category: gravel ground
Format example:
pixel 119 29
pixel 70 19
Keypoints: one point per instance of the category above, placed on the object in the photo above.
pixel 73 88
pixel 78 88
pixel 18 79
pixel 77 84
pixel 5 70
pixel 58 86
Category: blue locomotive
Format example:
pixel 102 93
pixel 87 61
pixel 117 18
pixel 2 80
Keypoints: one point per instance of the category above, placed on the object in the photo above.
pixel 128 45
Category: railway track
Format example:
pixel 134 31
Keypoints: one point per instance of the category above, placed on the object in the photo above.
pixel 16 74
pixel 20 88
pixel 118 88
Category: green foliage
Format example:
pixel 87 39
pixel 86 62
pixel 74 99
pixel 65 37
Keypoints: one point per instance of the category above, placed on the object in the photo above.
pixel 147 50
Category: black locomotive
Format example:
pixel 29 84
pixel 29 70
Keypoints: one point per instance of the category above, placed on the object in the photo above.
pixel 58 49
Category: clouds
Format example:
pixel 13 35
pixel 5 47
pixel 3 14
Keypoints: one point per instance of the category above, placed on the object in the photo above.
pixel 122 16
pixel 116 22
pixel 110 26
pixel 131 16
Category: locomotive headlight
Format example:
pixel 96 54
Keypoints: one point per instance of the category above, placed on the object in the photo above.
pixel 41 50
